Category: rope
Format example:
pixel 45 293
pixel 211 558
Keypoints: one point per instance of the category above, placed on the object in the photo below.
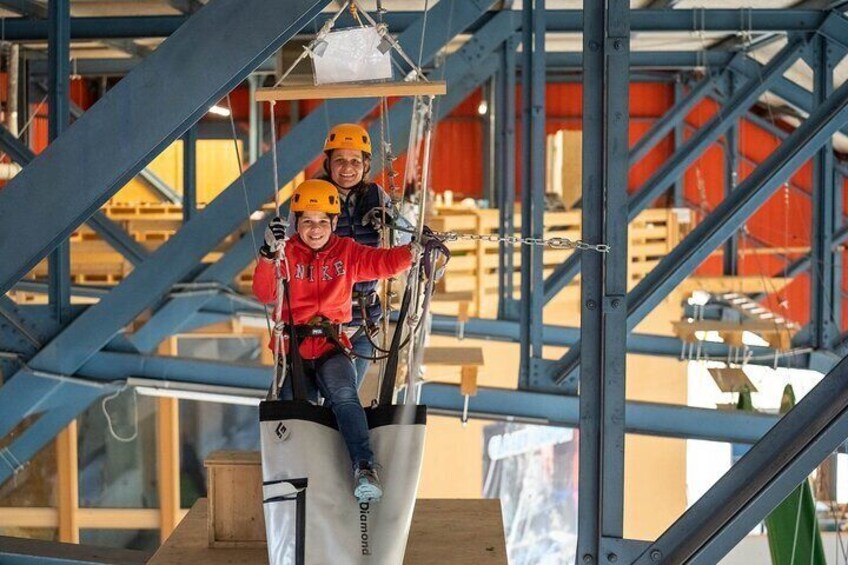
pixel 109 426
pixel 13 462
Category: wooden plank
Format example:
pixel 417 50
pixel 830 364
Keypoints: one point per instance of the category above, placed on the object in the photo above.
pixel 352 90
pixel 67 495
pixel 468 381
pixel 29 517
pixel 119 518
pixel 168 456
pixel 453 356
pixel 755 326
pixel 458 532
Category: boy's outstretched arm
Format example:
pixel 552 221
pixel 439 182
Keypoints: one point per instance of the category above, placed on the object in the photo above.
pixel 371 263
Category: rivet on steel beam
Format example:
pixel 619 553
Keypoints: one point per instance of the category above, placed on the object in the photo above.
pixel 588 559
pixel 591 304
pixel 656 555
pixel 612 557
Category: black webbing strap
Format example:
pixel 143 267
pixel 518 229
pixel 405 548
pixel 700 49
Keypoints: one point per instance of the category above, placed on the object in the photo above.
pixel 387 389
pixel 297 374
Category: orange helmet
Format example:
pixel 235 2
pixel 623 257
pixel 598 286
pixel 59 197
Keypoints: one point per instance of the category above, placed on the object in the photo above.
pixel 348 136
pixel 316 196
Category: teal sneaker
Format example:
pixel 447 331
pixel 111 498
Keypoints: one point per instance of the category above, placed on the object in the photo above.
pixel 366 484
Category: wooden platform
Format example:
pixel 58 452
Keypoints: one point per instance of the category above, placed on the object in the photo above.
pixel 456 532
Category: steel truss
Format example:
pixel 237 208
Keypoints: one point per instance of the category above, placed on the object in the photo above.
pixel 69 365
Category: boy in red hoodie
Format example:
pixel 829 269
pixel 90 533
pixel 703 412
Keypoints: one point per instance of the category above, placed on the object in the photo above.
pixel 322 271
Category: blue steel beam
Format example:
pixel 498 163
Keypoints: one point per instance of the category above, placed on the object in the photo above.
pixel 464 72
pixel 566 21
pixel 110 231
pixel 647 418
pixel 603 286
pixel 506 178
pixel 682 158
pixel 679 139
pixel 565 336
pixel 659 60
pixel 145 175
pixel 556 62
pixel 26 8
pixel 644 418
pixel 666 420
pixel 189 173
pixel 176 312
pixel 174 260
pixel 92 160
pixel 532 190
pixel 758 482
pixel 731 177
pixel 565 272
pixel 826 276
pixel 730 214
pixel 675 115
pixel 58 90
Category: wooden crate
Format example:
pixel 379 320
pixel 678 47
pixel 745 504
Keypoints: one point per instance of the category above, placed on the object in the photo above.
pixel 235 518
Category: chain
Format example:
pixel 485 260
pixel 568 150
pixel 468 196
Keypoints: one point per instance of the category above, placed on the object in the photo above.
pixel 553 242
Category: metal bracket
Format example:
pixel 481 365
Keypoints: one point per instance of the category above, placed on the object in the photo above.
pixel 618 550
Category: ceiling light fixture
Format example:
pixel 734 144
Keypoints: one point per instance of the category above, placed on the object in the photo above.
pixel 220 111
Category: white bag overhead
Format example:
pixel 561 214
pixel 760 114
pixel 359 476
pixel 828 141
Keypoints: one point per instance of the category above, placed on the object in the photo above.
pixel 357 54
pixel 311 515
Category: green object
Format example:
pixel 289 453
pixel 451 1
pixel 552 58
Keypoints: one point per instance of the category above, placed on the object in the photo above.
pixel 793 529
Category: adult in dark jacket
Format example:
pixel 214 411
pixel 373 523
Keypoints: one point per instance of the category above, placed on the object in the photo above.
pixel 347 164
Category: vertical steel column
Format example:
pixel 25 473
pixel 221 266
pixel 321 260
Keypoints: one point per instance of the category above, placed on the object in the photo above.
pixel 23 99
pixel 532 189
pixel 489 123
pixel 506 172
pixel 731 177
pixel 190 173
pixel 58 56
pixel 254 119
pixel 827 215
pixel 678 199
pixel 606 45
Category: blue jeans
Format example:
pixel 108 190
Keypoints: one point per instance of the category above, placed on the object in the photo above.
pixel 336 380
pixel 361 346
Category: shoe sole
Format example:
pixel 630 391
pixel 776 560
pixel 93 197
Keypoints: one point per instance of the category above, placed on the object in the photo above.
pixel 368 493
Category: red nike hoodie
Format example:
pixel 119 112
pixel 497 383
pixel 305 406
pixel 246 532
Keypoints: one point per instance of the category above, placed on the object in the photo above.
pixel 322 281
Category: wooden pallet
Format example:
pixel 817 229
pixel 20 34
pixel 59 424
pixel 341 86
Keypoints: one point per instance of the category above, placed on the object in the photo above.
pixel 474 265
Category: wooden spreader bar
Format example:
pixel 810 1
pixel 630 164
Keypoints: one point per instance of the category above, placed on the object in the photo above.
pixel 351 90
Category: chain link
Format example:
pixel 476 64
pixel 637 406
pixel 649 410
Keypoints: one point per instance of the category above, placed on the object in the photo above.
pixel 553 242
